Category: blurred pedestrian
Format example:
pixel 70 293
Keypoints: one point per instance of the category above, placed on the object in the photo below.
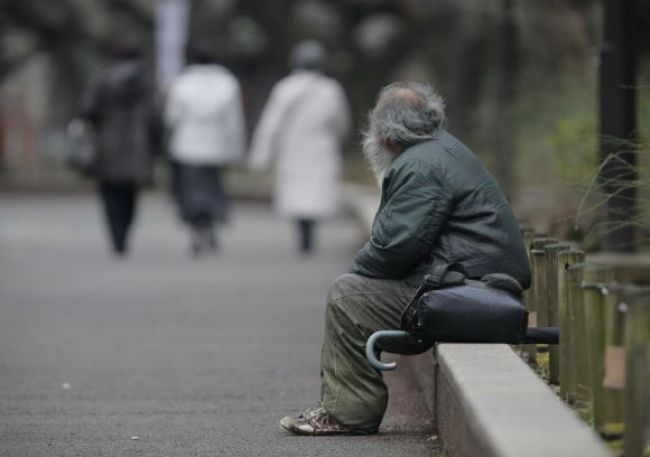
pixel 119 103
pixel 205 116
pixel 301 130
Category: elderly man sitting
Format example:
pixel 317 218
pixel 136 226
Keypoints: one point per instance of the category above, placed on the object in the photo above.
pixel 439 207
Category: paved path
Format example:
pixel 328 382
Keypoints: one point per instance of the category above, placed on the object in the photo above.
pixel 194 358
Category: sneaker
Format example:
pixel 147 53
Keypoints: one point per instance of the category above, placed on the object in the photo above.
pixel 317 421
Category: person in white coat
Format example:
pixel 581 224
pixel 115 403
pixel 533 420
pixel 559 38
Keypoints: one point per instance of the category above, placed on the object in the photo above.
pixel 204 114
pixel 300 132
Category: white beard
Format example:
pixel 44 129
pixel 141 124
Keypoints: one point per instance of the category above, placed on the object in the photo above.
pixel 377 155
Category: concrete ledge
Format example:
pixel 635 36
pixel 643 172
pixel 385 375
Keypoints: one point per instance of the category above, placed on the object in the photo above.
pixel 490 403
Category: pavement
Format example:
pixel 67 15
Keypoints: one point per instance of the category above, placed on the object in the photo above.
pixel 159 354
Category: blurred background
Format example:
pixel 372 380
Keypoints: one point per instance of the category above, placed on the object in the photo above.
pixel 521 79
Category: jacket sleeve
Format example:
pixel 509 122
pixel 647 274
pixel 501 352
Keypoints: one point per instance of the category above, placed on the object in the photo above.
pixel 416 206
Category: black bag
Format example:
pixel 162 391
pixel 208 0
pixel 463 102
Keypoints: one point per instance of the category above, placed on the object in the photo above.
pixel 450 308
pixel 471 314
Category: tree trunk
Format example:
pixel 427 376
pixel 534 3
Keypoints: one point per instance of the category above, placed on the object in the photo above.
pixel 617 125
pixel 506 91
pixel 460 74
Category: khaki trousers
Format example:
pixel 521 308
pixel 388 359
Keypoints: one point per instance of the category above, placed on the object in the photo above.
pixel 357 306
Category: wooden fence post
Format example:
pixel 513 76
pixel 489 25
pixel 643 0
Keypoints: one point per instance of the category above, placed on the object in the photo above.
pixel 579 338
pixel 527 235
pixel 614 363
pixel 569 281
pixel 528 351
pixel 596 279
pixel 537 294
pixel 637 393
pixel 552 298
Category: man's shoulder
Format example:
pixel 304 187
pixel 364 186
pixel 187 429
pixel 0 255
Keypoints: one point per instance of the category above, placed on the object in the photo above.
pixel 442 140
pixel 439 152
pixel 427 153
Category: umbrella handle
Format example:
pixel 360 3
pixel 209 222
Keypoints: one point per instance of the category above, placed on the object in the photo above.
pixel 370 348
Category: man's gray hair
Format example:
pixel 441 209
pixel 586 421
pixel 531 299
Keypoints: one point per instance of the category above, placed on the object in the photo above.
pixel 407 113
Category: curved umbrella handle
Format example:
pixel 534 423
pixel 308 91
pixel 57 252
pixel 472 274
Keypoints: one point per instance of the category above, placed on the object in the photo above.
pixel 370 348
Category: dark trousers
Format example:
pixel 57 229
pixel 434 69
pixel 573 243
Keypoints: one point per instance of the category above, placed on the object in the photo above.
pixel 119 200
pixel 306 229
pixel 357 306
pixel 200 194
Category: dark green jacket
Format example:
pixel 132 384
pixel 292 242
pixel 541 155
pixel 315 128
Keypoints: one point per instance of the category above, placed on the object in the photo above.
pixel 440 205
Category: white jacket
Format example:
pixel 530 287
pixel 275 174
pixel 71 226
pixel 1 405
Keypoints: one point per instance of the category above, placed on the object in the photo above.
pixel 301 130
pixel 204 112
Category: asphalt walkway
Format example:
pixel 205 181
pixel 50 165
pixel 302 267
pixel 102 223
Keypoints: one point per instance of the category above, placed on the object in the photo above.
pixel 162 355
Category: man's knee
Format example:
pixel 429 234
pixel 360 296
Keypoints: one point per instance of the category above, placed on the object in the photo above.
pixel 343 297
pixel 343 286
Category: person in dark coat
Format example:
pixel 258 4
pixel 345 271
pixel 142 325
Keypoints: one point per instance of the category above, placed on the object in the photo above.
pixel 440 209
pixel 119 105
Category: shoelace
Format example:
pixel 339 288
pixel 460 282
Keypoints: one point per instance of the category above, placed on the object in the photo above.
pixel 313 412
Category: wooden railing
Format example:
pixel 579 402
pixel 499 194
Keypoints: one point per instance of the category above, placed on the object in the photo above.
pixel 602 365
